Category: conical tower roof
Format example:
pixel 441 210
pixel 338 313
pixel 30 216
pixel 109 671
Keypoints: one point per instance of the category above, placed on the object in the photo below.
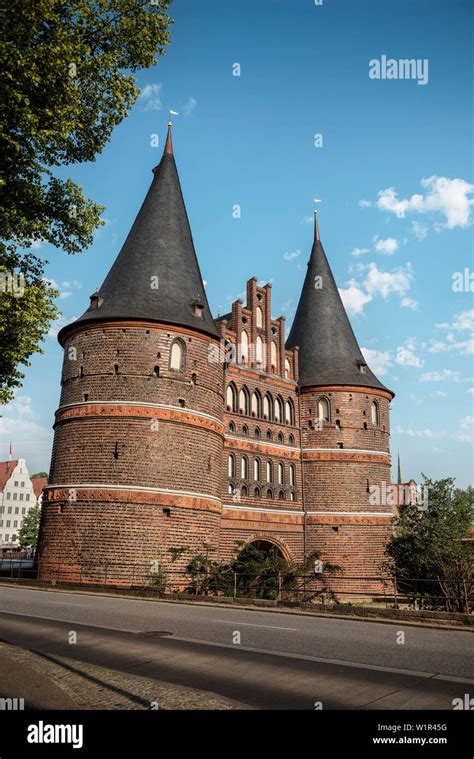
pixel 156 276
pixel 328 350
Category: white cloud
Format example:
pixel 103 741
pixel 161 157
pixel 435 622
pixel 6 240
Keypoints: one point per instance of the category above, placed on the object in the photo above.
pixel 386 247
pixel 150 96
pixel 449 197
pixel 426 433
pixel 58 324
pixel 465 432
pixel 470 390
pixel 419 229
pixel 359 251
pixel 354 299
pixel 291 256
pixel 444 374
pixel 189 106
pixel 406 354
pixel 365 203
pixel 464 344
pixel 20 406
pixel 379 361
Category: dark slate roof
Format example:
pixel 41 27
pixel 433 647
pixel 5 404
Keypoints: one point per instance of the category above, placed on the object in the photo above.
pixel 329 353
pixel 159 244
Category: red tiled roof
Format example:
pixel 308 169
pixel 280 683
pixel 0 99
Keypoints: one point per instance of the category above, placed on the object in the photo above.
pixel 6 471
pixel 38 484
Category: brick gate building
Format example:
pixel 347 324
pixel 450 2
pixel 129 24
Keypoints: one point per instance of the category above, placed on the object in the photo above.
pixel 178 430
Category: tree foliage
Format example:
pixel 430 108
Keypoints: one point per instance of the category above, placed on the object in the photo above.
pixel 28 532
pixel 66 80
pixel 430 556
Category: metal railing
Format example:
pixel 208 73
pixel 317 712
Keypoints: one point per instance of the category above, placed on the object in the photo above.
pixel 286 587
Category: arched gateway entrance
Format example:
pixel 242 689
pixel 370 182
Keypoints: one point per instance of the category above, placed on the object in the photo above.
pixel 272 547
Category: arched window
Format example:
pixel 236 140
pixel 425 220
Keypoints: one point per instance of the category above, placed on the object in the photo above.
pixel 256 404
pixel 323 409
pixel 244 468
pixel 229 352
pixel 177 355
pixel 281 495
pixel 244 348
pixel 244 401
pixel 245 430
pixel 374 412
pixel 256 492
pixel 292 475
pixel 280 474
pixel 273 356
pixel 269 471
pixel 287 369
pixel 259 350
pixel 289 412
pixel 279 409
pixel 291 440
pixel 256 470
pixel 231 465
pixel 269 435
pixel 280 437
pixel 268 407
pixel 244 491
pixel 230 488
pixel 269 493
pixel 231 398
pixel 259 317
pixel 257 432
pixel 292 496
pixel 231 427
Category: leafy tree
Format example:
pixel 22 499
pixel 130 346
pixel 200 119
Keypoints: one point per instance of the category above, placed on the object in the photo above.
pixel 259 573
pixel 38 474
pixel 66 80
pixel 429 555
pixel 28 532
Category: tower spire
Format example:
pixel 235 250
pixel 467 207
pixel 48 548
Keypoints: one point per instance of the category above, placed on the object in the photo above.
pixel 328 350
pixel 156 275
pixel 399 473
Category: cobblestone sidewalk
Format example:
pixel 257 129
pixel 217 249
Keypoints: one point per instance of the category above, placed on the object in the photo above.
pixel 93 687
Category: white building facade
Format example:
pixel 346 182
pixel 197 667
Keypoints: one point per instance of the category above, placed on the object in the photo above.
pixel 18 493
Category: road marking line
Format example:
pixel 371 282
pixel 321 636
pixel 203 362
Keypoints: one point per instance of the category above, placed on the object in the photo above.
pixel 251 624
pixel 321 660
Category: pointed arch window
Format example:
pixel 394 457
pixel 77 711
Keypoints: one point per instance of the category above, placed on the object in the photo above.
pixel 289 412
pixel 257 432
pixel 259 350
pixel 281 495
pixel 324 410
pixel 287 369
pixel 279 409
pixel 292 495
pixel 231 398
pixel 292 475
pixel 256 470
pixel 244 401
pixel 177 355
pixel 244 347
pixel 374 413
pixel 256 404
pixel 244 468
pixel 256 492
pixel 231 465
pixel 280 474
pixel 244 491
pixel 269 493
pixel 273 357
pixel 269 471
pixel 268 407
pixel 259 317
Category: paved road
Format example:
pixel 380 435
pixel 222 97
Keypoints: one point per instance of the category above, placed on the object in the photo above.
pixel 282 660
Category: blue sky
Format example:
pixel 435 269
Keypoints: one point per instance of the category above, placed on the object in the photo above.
pixel 404 149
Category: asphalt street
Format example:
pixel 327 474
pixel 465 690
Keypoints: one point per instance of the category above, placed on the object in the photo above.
pixel 262 659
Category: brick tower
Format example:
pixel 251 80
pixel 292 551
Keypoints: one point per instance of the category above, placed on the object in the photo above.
pixel 344 428
pixel 136 463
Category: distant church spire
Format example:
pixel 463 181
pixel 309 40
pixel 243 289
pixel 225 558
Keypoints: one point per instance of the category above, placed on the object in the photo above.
pixel 399 474
pixel 328 350
pixel 156 275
